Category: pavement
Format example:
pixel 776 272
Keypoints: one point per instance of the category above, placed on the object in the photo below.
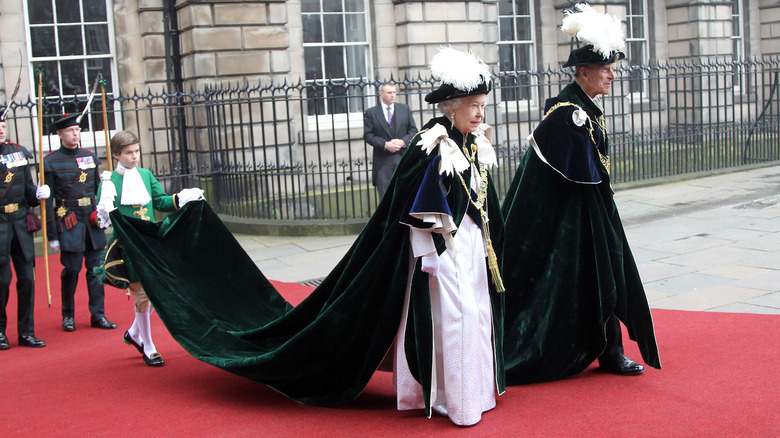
pixel 711 243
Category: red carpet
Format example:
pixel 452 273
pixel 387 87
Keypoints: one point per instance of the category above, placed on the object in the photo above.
pixel 719 379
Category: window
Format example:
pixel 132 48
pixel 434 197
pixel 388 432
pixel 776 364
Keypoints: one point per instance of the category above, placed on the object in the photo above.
pixel 335 45
pixel 637 50
pixel 736 30
pixel 70 41
pixel 515 48
pixel 738 47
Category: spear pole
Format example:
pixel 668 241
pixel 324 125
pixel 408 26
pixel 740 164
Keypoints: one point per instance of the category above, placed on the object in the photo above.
pixel 105 122
pixel 41 181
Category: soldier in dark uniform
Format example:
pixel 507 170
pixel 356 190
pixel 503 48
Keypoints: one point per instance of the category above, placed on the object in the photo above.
pixel 17 194
pixel 73 175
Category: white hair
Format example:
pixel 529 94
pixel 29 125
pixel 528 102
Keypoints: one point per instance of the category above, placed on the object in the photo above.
pixel 449 106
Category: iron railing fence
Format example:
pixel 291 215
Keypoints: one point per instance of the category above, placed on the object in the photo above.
pixel 272 152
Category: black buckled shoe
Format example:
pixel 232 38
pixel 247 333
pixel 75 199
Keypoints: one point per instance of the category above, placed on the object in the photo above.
pixel 4 345
pixel 130 341
pixel 154 360
pixel 103 323
pixel 622 366
pixel 68 324
pixel 31 341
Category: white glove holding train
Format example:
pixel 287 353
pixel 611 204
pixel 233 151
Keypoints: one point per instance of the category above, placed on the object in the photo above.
pixel 187 195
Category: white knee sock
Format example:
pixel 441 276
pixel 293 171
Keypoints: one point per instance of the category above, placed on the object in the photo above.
pixel 145 329
pixel 134 331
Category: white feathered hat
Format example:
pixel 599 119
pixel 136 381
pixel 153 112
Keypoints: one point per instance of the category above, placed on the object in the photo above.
pixel 601 33
pixel 461 74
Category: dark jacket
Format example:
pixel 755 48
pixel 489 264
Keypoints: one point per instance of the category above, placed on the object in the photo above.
pixel 16 187
pixel 72 174
pixel 376 132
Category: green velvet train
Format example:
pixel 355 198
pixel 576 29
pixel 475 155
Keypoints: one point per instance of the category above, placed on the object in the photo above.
pixel 219 306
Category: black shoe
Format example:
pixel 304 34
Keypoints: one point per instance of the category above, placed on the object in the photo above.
pixel 155 360
pixel 622 366
pixel 130 341
pixel 68 324
pixel 4 345
pixel 31 341
pixel 103 323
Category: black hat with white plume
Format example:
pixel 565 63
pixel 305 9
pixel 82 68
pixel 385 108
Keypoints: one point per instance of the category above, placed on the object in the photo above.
pixel 601 33
pixel 461 74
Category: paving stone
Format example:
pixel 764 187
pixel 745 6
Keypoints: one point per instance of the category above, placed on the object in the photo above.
pixel 719 256
pixel 658 270
pixel 764 260
pixel 276 252
pixel 769 300
pixel 687 283
pixel 744 308
pixel 690 244
pixel 707 298
pixel 326 242
pixel 736 272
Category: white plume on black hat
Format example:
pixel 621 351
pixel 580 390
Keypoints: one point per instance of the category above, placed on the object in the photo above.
pixel 461 73
pixel 602 35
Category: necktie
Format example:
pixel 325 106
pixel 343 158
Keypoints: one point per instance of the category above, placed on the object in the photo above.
pixel 389 116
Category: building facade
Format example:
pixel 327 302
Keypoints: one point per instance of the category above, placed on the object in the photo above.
pixel 66 47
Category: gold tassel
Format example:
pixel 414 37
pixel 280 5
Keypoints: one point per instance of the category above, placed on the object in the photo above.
pixel 495 273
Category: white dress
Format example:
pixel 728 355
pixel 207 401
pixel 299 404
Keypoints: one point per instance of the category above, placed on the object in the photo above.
pixel 463 381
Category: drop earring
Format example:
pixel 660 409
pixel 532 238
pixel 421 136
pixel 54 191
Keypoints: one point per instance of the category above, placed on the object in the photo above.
pixel 452 119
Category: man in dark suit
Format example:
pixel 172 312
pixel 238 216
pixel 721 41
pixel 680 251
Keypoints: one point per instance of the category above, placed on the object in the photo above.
pixel 388 127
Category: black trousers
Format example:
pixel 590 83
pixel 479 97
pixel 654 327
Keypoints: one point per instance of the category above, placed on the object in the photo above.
pixel 614 348
pixel 25 289
pixel 72 262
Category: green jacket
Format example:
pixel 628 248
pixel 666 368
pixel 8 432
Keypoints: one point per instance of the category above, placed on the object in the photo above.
pixel 160 201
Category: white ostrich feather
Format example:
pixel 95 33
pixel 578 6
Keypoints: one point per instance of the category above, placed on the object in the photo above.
pixel 603 31
pixel 460 69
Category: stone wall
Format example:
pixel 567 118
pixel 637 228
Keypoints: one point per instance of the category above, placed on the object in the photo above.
pixel 769 11
pixel 698 30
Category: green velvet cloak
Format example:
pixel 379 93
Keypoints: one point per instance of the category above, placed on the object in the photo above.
pixel 567 266
pixel 220 308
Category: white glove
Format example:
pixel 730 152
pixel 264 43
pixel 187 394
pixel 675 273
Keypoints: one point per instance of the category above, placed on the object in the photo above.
pixel 103 220
pixel 430 264
pixel 43 192
pixel 105 175
pixel 54 244
pixel 187 195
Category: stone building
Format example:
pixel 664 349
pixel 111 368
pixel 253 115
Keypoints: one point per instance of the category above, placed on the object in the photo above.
pixel 153 46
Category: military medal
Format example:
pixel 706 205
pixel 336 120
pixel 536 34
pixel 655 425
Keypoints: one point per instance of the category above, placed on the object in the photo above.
pixel 62 211
pixel 9 177
pixel 83 177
